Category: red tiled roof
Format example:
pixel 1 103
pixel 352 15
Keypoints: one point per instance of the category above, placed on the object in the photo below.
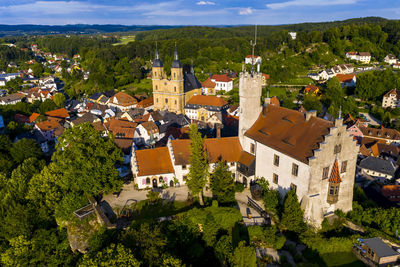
pixel 33 117
pixel 335 175
pixel 146 103
pixel 154 161
pixel 288 131
pixel 275 101
pixel 311 88
pixel 124 99
pixel 221 78
pixel 249 56
pixel 58 113
pixel 208 83
pixel 266 76
pixel 393 92
pixel 392 192
pixel 345 78
pixel 207 100
pixel 121 128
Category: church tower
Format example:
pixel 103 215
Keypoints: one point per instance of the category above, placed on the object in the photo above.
pixel 157 79
pixel 250 87
pixel 176 84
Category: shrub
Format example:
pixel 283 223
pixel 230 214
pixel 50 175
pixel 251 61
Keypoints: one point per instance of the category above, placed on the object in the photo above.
pixel 239 187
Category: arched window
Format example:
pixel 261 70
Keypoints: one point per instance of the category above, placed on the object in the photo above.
pixel 161 179
pixel 147 180
pixel 176 102
pixel 174 88
pixel 166 100
pixel 155 74
pixel 156 87
pixel 174 75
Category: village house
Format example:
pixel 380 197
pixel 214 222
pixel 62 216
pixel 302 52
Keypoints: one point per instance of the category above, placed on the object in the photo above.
pixel 391 99
pixel 50 129
pixel 203 108
pixel 146 104
pixel 386 135
pixel 11 99
pixel 252 60
pixel 363 57
pixel 223 82
pixel 390 59
pixel 265 78
pixel 208 87
pixel 378 252
pixel 146 133
pixel 311 89
pixel 380 169
pixel 347 80
pixel 122 102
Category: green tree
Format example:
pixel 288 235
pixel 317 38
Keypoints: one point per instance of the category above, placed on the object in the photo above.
pixel 46 106
pixel 37 69
pixel 114 255
pixel 244 256
pixel 153 196
pixel 292 216
pixel 24 149
pixel 82 166
pixel 311 102
pixel 198 170
pixel 223 184
pixel 59 100
pixel 223 250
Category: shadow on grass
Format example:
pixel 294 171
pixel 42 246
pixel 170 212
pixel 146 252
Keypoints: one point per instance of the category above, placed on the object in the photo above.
pixel 145 210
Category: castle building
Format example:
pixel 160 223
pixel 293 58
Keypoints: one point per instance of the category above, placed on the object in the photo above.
pixel 315 157
pixel 172 93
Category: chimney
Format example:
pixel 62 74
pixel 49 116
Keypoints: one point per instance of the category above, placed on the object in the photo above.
pixel 338 122
pixel 218 132
pixel 310 114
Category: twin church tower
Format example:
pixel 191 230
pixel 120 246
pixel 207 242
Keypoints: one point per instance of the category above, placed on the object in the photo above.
pixel 172 93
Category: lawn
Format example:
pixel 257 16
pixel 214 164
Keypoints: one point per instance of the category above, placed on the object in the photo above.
pixel 341 259
pixel 126 39
pixel 145 85
pixel 146 210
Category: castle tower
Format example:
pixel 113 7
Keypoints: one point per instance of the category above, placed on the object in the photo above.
pixel 250 87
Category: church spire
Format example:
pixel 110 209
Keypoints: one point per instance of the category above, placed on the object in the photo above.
pixel 176 53
pixel 157 61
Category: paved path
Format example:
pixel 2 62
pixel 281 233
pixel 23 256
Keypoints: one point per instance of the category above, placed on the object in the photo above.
pixel 130 193
pixel 372 120
pixel 256 218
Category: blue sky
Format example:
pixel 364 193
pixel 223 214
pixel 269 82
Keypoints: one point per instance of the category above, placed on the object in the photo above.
pixel 191 12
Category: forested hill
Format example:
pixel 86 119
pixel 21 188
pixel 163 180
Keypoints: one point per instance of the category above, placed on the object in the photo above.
pixel 248 31
pixel 29 29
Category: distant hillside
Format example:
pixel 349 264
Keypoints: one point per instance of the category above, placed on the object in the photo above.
pixel 28 29
pixel 247 31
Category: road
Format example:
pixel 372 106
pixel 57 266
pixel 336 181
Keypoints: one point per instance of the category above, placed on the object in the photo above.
pixel 372 120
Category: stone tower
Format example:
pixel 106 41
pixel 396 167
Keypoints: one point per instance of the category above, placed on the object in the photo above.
pixel 250 87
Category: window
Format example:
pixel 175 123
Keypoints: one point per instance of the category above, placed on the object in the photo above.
pixel 147 180
pixel 166 100
pixel 232 163
pixel 252 148
pixel 176 102
pixel 325 173
pixel 338 149
pixel 293 187
pixel 343 168
pixel 295 169
pixel 276 160
pixel 185 177
pixel 174 88
pixel 156 87
pixel 183 167
pixel 275 178
pixel 160 179
pixel 156 100
pixel 333 193
pixel 155 73
pixel 174 75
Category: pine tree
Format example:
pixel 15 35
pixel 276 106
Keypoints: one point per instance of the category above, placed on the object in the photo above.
pixel 222 184
pixel 292 216
pixel 198 170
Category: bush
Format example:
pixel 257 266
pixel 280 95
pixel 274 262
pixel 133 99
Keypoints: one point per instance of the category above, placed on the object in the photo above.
pixel 239 187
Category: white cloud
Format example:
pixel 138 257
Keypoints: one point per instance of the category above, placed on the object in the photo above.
pixel 310 3
pixel 245 11
pixel 204 3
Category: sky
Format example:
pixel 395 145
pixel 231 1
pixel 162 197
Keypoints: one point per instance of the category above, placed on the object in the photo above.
pixel 191 12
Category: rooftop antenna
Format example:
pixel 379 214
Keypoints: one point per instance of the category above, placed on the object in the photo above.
pixel 253 46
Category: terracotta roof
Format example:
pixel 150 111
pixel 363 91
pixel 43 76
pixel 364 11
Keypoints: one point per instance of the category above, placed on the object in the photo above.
pixel 121 128
pixel 351 53
pixel 311 88
pixel 150 126
pixel 49 125
pixel 344 78
pixel 123 99
pixel 246 158
pixel 221 78
pixel 98 126
pixel 207 100
pixel 392 192
pixel 364 151
pixel 148 102
pixel 287 131
pixel 33 117
pixel 125 144
pixel 384 133
pixel 335 174
pixel 393 92
pixel 153 161
pixel 227 149
pixel 58 113
pixel 208 83
pixel 364 54
pixel 266 76
pixel 250 56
